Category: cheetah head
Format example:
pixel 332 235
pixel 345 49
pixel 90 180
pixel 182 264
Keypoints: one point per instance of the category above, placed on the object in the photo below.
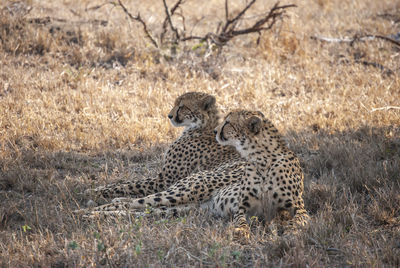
pixel 194 110
pixel 240 129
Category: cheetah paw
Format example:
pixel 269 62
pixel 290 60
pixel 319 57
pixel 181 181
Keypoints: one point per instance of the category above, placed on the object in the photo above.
pixel 241 234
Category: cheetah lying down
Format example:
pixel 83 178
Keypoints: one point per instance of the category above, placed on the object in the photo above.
pixel 196 149
pixel 269 177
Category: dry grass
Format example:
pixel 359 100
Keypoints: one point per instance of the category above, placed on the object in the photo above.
pixel 84 102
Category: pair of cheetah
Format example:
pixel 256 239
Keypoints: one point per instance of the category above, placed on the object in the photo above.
pixel 196 149
pixel 238 168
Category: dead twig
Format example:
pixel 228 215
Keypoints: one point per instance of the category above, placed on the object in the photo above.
pixel 379 66
pixel 232 23
pixel 226 11
pixel 170 20
pixel 140 20
pixel 48 20
pixel 385 108
pixel 364 38
pixel 225 31
pixel 229 30
pixel 96 7
pixel 386 38
pixel 384 69
pixel 169 14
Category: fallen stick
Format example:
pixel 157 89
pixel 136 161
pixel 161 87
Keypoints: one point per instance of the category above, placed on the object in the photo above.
pixel 385 108
pixel 48 20
pixel 368 37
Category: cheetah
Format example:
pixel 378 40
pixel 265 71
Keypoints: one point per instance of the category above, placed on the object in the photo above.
pixel 269 177
pixel 196 149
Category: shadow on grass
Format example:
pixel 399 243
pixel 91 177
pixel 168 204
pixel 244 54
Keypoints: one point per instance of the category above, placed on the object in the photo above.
pixel 37 181
pixel 350 165
pixel 352 191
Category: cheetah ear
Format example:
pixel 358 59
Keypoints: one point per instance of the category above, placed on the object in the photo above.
pixel 208 102
pixel 254 124
pixel 261 114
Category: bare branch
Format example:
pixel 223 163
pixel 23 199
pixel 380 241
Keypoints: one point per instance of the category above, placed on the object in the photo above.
pixel 183 22
pixel 96 6
pixel 169 17
pixel 235 19
pixel 194 37
pixel 139 19
pixel 226 11
pixel 385 70
pixel 218 26
pixel 379 66
pixel 176 6
pixel 229 31
pixel 194 26
pixel 48 20
pixel 364 38
pixel 386 38
pixel 241 13
pixel 225 30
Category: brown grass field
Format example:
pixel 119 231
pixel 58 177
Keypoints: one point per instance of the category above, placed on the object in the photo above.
pixel 84 98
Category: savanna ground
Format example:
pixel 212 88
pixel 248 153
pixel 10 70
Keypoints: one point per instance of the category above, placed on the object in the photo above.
pixel 83 102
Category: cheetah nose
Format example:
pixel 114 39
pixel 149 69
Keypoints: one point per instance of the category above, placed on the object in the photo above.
pixel 170 116
pixel 215 131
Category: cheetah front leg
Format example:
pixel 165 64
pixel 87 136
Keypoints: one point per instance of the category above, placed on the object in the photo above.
pixel 135 188
pixel 242 229
pixel 196 188
pixel 288 198
pixel 248 200
pixel 191 190
pixel 122 211
pixel 168 211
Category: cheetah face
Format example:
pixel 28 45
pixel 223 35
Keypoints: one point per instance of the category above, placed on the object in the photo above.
pixel 191 110
pixel 239 128
pixel 182 116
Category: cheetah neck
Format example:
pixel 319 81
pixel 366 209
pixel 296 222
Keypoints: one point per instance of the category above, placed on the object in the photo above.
pixel 212 121
pixel 191 128
pixel 264 150
pixel 209 124
pixel 196 132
